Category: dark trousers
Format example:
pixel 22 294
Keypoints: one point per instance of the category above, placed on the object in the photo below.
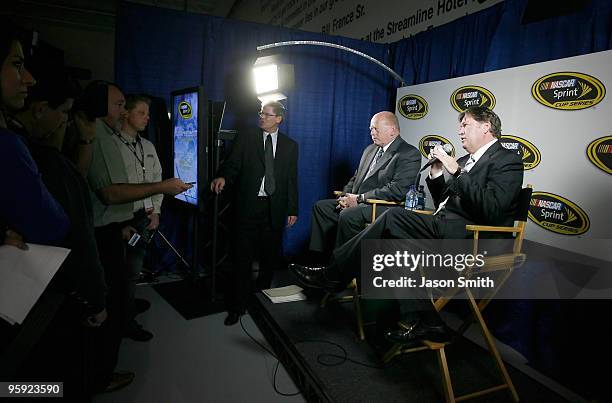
pixel 252 237
pixel 61 355
pixel 107 339
pixel 135 256
pixel 398 223
pixel 332 227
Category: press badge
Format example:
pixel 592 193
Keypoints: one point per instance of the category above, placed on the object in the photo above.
pixel 148 204
pixel 134 239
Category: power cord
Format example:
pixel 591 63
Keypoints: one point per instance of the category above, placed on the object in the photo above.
pixel 275 357
pixel 342 358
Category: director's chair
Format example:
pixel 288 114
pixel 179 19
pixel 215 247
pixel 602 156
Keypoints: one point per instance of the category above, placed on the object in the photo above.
pixel 504 264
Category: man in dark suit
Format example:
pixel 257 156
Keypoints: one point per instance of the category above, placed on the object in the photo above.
pixel 482 188
pixel 262 169
pixel 386 170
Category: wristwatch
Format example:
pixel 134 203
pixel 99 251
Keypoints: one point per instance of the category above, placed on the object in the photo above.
pixel 361 198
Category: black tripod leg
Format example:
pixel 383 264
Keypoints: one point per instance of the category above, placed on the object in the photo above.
pixel 173 249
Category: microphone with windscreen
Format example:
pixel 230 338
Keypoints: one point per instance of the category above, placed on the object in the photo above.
pixel 447 149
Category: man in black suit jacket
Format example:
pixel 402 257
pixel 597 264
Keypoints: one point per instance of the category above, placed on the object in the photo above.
pixel 262 169
pixel 482 188
pixel 386 170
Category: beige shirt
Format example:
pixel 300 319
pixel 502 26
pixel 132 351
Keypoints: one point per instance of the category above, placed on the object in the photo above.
pixel 107 168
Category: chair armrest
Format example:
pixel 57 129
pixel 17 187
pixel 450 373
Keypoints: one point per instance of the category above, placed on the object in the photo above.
pixel 338 193
pixel 387 202
pixel 491 228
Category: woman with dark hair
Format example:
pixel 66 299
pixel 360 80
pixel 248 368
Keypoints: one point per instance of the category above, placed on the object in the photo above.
pixel 27 211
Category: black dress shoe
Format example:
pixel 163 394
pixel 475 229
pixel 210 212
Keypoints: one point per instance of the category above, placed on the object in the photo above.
pixel 137 333
pixel 232 318
pixel 119 380
pixel 315 277
pixel 418 332
pixel 141 305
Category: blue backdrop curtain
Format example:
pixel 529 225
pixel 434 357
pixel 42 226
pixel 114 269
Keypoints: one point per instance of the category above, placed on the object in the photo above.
pixel 495 39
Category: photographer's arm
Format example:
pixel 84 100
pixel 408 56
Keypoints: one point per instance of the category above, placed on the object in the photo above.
pixel 87 134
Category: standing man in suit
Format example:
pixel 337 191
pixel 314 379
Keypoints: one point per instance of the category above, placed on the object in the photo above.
pixel 483 188
pixel 262 169
pixel 386 170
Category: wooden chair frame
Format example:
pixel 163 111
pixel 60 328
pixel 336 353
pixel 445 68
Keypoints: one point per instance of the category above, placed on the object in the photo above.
pixel 507 263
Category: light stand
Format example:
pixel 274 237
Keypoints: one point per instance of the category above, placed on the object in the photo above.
pixel 336 46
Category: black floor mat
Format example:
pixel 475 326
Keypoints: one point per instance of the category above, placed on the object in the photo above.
pixel 189 298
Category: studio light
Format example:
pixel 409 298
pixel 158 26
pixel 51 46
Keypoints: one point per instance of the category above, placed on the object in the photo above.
pixel 271 78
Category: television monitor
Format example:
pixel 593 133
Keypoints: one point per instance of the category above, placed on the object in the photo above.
pixel 189 142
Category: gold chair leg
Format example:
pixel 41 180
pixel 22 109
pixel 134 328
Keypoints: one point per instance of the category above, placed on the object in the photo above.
pixel 491 344
pixel 449 395
pixel 357 304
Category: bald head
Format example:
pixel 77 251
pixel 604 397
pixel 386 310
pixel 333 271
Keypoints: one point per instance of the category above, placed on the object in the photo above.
pixel 384 128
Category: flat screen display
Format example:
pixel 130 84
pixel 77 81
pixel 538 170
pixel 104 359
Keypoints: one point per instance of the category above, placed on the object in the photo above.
pixel 186 132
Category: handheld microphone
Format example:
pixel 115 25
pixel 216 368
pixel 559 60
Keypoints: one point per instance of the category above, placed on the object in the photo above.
pixel 448 149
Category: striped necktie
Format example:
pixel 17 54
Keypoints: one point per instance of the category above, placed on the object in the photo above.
pixel 377 157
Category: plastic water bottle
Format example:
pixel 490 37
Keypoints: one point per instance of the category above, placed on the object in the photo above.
pixel 411 198
pixel 420 205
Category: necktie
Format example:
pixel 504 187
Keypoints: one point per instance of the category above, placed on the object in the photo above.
pixel 269 184
pixel 377 157
pixel 469 164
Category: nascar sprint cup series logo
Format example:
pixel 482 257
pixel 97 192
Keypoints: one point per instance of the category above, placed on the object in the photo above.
pixel 568 91
pixel 600 153
pixel 430 141
pixel 530 155
pixel 185 110
pixel 412 107
pixel 557 214
pixel 472 95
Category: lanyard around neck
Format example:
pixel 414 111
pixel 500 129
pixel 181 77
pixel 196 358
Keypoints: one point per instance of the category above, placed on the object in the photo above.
pixel 132 148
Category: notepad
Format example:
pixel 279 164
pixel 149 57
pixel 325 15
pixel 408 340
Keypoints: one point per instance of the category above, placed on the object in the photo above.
pixel 24 275
pixel 289 293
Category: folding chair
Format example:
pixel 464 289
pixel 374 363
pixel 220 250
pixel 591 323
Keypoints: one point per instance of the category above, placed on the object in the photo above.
pixel 505 263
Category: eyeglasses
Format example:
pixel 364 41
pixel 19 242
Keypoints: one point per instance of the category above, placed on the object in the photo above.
pixel 262 114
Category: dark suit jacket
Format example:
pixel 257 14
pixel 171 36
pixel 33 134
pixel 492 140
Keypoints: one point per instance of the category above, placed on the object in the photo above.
pixel 486 195
pixel 244 170
pixel 393 173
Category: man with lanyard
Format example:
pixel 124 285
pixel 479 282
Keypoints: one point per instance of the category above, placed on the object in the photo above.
pixel 142 166
pixel 113 202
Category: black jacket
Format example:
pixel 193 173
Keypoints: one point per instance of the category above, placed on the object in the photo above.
pixel 392 175
pixel 487 195
pixel 244 169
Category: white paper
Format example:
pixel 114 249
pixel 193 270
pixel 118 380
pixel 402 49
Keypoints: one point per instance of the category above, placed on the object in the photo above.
pixel 289 293
pixel 24 275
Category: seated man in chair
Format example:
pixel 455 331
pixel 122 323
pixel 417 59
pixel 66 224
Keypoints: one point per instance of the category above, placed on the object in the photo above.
pixel 386 170
pixel 482 188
